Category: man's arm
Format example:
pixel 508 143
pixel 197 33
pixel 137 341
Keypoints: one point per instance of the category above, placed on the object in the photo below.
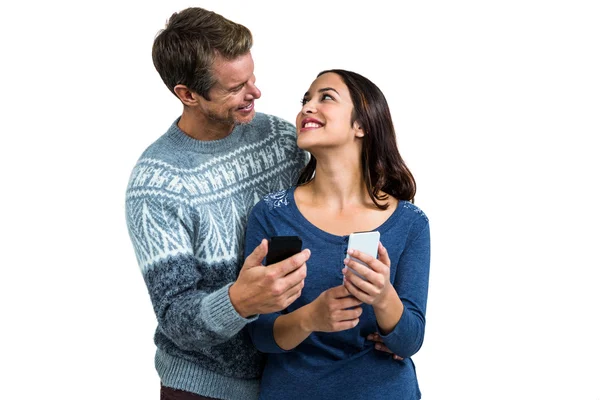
pixel 190 312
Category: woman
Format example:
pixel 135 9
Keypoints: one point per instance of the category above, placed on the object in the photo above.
pixel 355 181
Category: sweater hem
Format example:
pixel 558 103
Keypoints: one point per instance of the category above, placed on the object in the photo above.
pixel 181 374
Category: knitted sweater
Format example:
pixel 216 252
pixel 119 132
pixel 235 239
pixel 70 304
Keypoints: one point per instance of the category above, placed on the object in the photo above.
pixel 344 365
pixel 187 204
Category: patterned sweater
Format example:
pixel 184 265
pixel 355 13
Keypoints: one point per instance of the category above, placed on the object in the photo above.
pixel 187 204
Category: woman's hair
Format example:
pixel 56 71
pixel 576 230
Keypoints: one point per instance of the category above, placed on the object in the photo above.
pixel 382 166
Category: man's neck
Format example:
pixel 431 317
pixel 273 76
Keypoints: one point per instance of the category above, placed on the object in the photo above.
pixel 199 127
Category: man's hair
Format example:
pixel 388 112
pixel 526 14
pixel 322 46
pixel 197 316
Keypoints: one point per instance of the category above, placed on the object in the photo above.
pixel 183 53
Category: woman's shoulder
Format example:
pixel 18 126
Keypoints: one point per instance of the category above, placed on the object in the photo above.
pixel 412 211
pixel 280 199
pixel 275 202
pixel 413 218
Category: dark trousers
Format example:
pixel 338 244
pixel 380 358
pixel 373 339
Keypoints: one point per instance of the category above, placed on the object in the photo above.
pixel 167 393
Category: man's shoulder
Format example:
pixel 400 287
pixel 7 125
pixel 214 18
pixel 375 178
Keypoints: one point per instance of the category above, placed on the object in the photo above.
pixel 281 133
pixel 272 124
pixel 157 166
pixel 159 148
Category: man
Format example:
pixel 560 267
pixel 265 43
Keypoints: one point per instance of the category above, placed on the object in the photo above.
pixel 187 202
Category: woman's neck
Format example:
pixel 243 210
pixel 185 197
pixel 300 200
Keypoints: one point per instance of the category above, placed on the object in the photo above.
pixel 337 200
pixel 338 185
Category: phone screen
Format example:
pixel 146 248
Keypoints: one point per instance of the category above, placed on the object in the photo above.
pixel 282 247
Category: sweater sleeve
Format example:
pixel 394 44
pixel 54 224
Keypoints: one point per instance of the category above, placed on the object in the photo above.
pixel 190 312
pixel 411 284
pixel 261 330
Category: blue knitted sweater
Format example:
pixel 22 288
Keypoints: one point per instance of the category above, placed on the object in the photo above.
pixel 344 365
pixel 187 204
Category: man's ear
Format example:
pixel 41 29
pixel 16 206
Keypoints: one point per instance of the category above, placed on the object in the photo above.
pixel 187 97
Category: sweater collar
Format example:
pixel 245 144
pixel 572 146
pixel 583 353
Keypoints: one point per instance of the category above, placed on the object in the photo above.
pixel 182 140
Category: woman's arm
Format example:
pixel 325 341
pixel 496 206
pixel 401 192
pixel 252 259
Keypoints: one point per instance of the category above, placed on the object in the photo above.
pixel 400 315
pixel 376 288
pixel 334 310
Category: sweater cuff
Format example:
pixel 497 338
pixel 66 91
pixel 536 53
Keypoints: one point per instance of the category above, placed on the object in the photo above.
pixel 401 330
pixel 221 314
pixel 265 340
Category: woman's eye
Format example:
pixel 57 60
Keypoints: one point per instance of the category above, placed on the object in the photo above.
pixel 326 97
pixel 304 101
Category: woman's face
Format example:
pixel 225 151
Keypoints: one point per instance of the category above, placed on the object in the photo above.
pixel 325 118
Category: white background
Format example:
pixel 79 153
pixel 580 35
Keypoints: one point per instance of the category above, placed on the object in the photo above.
pixel 497 109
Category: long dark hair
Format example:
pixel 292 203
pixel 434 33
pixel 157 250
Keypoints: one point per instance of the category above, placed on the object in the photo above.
pixel 382 166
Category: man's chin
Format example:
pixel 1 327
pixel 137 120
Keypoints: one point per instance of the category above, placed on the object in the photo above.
pixel 245 119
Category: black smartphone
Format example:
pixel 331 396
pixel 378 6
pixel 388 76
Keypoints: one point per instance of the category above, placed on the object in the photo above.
pixel 282 247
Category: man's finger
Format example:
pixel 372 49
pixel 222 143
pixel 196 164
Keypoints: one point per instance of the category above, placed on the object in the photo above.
pixel 258 254
pixel 295 290
pixel 292 263
pixel 383 347
pixel 295 277
pixel 293 294
pixel 374 337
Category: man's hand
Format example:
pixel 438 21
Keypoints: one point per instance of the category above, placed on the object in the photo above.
pixel 262 290
pixel 379 345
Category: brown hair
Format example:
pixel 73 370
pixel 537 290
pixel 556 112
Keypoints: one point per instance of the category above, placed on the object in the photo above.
pixel 184 52
pixel 383 168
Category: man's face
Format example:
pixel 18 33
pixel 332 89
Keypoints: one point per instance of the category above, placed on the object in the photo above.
pixel 232 97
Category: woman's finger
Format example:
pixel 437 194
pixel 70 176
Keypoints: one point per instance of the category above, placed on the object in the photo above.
pixel 383 255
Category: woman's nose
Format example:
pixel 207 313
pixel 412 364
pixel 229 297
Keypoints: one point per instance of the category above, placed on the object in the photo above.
pixel 308 108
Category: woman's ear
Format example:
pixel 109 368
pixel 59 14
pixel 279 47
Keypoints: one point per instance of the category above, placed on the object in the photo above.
pixel 358 130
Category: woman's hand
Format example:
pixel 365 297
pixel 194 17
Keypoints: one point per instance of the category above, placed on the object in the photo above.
pixel 334 310
pixel 376 286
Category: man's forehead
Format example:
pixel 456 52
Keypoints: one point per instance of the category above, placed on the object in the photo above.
pixel 234 72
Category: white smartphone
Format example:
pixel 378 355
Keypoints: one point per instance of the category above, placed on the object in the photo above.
pixel 365 242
